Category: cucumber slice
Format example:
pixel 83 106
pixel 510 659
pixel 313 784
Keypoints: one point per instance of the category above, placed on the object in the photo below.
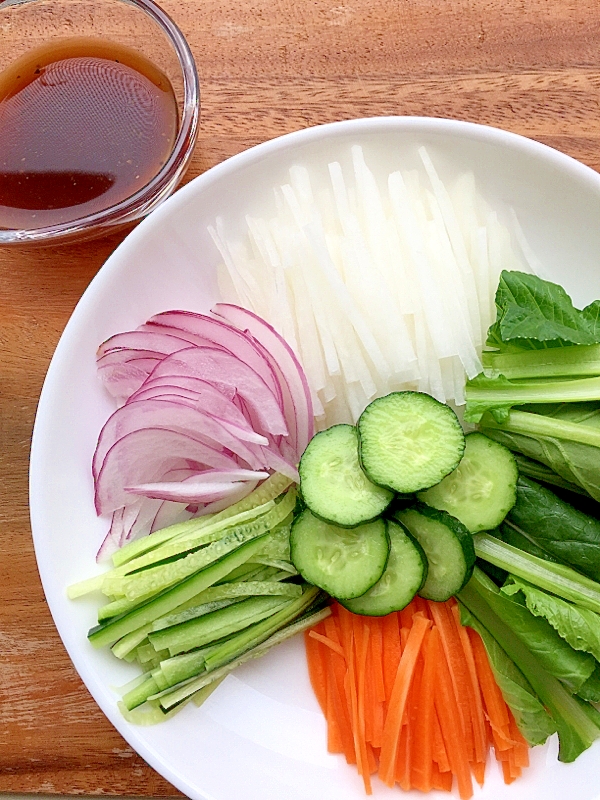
pixel 409 441
pixel 448 546
pixel 404 575
pixel 482 489
pixel 334 485
pixel 345 562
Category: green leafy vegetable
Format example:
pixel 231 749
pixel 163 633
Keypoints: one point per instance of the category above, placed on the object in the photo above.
pixel 533 720
pixel 576 730
pixel 559 579
pixel 553 362
pixel 590 690
pixel 557 527
pixel 565 438
pixel 534 314
pixel 580 627
pixel 512 534
pixel 499 395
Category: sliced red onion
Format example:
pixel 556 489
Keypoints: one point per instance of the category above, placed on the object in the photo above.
pixel 168 514
pixel 155 340
pixel 145 456
pixel 170 416
pixel 244 490
pixel 225 371
pixel 285 365
pixel 188 491
pixel 221 334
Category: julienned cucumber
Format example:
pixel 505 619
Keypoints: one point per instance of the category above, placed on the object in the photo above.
pixel 404 575
pixel 409 441
pixel 448 546
pixel 333 484
pixel 345 562
pixel 482 489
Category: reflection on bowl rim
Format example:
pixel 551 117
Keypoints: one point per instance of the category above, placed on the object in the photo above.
pixel 162 184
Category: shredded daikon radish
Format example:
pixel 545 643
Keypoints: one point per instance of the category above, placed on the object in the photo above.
pixel 378 283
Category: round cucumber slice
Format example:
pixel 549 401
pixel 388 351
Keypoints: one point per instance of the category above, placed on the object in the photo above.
pixel 334 485
pixel 404 575
pixel 409 441
pixel 448 546
pixel 482 489
pixel 345 562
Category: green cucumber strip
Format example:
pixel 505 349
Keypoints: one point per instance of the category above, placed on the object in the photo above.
pixel 140 694
pixel 285 566
pixel 181 667
pixel 171 599
pixel 199 609
pixel 148 713
pixel 131 641
pixel 217 625
pixel 251 644
pixel 155 579
pixel 555 578
pixel 275 485
pixel 219 596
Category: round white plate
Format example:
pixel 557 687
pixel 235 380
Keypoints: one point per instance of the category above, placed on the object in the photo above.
pixel 261 736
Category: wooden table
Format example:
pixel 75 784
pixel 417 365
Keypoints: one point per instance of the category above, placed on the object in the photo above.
pixel 267 67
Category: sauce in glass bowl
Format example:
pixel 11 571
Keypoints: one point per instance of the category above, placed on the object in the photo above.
pixel 84 124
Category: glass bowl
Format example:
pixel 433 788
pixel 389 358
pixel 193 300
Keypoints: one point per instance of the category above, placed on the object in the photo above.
pixel 140 25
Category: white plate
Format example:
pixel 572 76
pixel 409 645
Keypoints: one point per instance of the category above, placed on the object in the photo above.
pixel 261 735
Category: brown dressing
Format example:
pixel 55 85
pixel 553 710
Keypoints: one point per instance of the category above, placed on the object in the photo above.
pixel 84 124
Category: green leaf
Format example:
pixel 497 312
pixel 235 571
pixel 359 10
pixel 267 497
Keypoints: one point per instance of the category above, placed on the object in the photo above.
pixel 533 720
pixel 580 627
pixel 557 527
pixel 535 313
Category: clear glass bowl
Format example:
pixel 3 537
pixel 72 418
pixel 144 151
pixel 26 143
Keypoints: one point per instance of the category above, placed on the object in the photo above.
pixel 137 24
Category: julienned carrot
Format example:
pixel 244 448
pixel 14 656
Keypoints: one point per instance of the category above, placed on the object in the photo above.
pixel 387 690
pixel 404 675
pixel 452 729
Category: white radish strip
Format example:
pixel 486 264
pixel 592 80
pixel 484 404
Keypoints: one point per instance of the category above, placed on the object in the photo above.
pixel 532 262
pixel 480 258
pixel 450 280
pixel 456 240
pixel 459 384
pixel 422 273
pixel 314 234
pixel 367 284
pixel 242 289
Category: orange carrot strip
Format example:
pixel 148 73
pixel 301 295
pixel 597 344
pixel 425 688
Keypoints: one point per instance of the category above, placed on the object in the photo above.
pixel 441 780
pixel 495 706
pixel 326 641
pixel 376 657
pixel 355 670
pixel 440 756
pixel 419 604
pixel 472 686
pixel 448 712
pixel 397 704
pixel 406 615
pixel 421 767
pixel 478 770
pixel 402 767
pixel 316 670
pixel 334 732
pixel 392 650
pixel 455 659
pixel 412 715
pixel 520 747
pixel 508 777
pixel 337 665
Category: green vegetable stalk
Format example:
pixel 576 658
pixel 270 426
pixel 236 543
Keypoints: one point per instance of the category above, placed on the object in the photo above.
pixel 576 730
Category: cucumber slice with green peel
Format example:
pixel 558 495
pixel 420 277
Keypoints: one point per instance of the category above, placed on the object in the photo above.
pixel 409 441
pixel 334 485
pixel 345 562
pixel 482 489
pixel 404 575
pixel 448 546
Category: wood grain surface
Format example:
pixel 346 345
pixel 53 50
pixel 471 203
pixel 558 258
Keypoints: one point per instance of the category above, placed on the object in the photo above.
pixel 267 67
